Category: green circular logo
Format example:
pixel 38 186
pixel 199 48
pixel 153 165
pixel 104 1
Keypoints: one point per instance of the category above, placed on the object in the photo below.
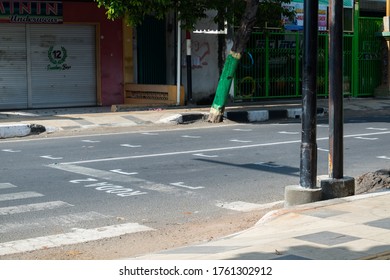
pixel 57 57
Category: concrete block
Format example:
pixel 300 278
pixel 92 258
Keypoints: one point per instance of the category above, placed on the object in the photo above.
pixel 336 188
pixel 296 195
pixel 14 130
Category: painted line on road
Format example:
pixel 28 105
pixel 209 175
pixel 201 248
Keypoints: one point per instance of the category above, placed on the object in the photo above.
pixel 62 220
pixel 119 171
pixel 242 129
pixel 33 207
pixel 20 195
pixel 323 150
pixel 383 157
pixel 6 186
pixel 240 141
pixel 206 156
pixel 90 141
pixel 247 207
pixel 182 185
pixel 131 146
pixel 214 149
pixel 289 132
pixel 101 174
pixel 377 128
pixel 366 138
pixel 112 176
pixel 190 136
pixel 11 151
pixel 51 157
pixel 74 237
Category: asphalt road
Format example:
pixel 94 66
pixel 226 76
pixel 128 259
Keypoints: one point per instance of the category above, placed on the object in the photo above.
pixel 61 190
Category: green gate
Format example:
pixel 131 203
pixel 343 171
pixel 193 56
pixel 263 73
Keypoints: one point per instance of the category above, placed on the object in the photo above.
pixel 271 66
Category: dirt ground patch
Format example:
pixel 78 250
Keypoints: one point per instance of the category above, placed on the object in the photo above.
pixel 373 181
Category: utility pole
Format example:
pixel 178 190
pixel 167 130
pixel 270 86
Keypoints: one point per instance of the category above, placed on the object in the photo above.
pixel 307 190
pixel 308 169
pixel 335 185
pixel 336 127
pixel 189 67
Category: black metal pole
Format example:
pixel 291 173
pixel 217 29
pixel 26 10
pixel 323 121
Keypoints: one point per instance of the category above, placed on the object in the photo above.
pixel 189 67
pixel 308 164
pixel 335 89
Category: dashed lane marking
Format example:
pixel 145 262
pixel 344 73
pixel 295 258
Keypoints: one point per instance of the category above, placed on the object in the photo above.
pixel 33 207
pixel 6 186
pixel 62 220
pixel 76 236
pixel 19 195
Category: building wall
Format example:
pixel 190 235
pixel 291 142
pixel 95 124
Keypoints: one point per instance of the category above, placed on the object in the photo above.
pixel 110 51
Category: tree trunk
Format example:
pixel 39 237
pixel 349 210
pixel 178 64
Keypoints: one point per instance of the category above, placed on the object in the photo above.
pixel 239 44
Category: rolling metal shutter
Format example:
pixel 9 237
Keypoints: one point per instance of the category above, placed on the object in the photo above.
pixel 63 65
pixel 13 64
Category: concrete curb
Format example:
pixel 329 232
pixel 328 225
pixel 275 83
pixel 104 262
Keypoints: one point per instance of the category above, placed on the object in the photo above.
pixel 20 130
pixel 265 115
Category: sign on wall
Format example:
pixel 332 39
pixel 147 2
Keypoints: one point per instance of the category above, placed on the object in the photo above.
pixel 298 7
pixel 26 11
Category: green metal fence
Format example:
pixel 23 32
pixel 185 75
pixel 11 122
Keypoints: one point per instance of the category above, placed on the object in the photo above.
pixel 271 66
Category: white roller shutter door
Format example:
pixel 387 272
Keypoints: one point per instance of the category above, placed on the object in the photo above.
pixel 13 65
pixel 63 65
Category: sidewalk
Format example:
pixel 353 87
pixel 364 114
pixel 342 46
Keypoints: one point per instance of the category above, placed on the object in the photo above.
pixel 19 123
pixel 356 227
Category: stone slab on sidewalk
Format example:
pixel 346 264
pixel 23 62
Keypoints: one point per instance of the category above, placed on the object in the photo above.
pixel 351 228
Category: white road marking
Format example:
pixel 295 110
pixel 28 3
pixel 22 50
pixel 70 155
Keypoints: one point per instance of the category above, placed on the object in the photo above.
pixel 6 186
pixel 149 133
pixel 33 207
pixel 207 156
pixel 321 149
pixel 101 174
pixel 215 149
pixel 377 128
pixel 366 138
pixel 181 185
pixel 269 164
pixel 190 136
pixel 383 157
pixel 62 220
pixel 247 207
pixel 116 177
pixel 242 129
pixel 240 141
pixel 76 236
pixel 20 195
pixel 288 132
pixel 11 151
pixel 51 157
pixel 119 171
pixel 90 141
pixel 131 146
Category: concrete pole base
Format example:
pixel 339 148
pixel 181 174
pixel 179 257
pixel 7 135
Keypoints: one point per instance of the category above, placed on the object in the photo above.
pixel 336 188
pixel 296 195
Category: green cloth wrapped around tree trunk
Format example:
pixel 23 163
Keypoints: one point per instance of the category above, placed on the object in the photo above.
pixel 240 41
pixel 224 84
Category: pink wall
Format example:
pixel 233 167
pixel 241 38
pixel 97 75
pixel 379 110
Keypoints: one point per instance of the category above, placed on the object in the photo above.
pixel 111 47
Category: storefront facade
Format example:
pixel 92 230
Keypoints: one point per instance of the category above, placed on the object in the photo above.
pixel 59 54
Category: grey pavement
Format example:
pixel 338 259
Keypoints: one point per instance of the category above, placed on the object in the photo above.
pixel 350 228
pixel 355 227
